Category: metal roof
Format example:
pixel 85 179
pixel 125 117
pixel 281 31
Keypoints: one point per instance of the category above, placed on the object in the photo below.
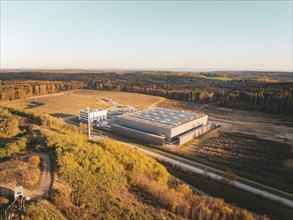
pixel 162 116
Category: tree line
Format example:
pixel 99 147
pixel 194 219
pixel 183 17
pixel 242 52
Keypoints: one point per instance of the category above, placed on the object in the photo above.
pixel 13 89
pixel 273 100
pixel 245 90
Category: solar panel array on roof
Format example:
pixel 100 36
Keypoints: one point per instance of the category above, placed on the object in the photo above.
pixel 163 116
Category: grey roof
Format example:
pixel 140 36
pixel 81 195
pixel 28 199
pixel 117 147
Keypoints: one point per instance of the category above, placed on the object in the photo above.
pixel 162 116
pixel 92 110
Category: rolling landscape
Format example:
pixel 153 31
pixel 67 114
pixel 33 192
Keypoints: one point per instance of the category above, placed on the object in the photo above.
pixel 242 143
pixel 116 114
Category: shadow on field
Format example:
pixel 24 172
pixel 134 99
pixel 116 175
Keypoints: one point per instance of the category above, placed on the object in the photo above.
pixel 34 104
pixel 6 193
pixel 61 115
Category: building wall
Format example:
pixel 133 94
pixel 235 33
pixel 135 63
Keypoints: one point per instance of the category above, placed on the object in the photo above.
pixel 193 134
pixel 150 128
pixel 98 115
pixel 82 116
pixel 170 134
pixel 140 135
pixel 175 132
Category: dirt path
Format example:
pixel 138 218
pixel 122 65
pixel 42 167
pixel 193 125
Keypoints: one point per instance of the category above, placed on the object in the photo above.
pixel 45 180
pixel 154 105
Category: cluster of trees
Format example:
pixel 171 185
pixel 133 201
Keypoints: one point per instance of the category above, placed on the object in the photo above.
pixel 105 179
pixel 10 142
pixel 13 89
pixel 44 119
pixel 97 173
pixel 274 99
pixel 8 124
pixel 13 147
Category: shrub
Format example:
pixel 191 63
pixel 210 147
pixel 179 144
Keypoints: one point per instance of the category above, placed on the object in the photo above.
pixel 34 160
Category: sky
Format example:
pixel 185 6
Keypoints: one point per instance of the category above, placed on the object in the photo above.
pixel 199 35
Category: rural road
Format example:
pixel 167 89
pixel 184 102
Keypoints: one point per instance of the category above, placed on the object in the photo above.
pixel 237 184
pixel 45 181
pixel 245 187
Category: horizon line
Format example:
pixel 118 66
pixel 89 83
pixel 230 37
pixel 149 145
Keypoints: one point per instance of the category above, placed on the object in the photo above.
pixel 174 69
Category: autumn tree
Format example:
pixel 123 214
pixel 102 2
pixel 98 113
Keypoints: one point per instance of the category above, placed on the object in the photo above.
pixel 8 124
pixel 229 177
pixel 34 160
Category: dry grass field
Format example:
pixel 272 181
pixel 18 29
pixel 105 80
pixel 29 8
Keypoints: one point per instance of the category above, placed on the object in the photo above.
pixel 60 105
pixel 134 99
pixel 68 103
pixel 263 125
pixel 19 172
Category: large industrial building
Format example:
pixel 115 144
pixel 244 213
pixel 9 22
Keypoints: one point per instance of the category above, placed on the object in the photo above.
pixel 95 115
pixel 162 126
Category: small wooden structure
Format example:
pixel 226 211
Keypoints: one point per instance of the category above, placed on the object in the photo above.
pixel 18 193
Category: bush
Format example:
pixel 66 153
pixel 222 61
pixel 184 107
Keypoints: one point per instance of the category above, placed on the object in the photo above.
pixel 34 160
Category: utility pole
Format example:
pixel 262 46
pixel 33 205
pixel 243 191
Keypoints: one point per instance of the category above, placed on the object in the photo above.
pixel 88 123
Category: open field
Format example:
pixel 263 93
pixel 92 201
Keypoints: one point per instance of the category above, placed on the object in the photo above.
pixel 18 172
pixel 134 99
pixel 254 144
pixel 264 125
pixel 223 78
pixel 69 103
pixel 59 105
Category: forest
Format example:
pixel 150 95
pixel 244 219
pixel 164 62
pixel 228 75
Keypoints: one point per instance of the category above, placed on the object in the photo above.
pixel 103 179
pixel 258 91
pixel 13 89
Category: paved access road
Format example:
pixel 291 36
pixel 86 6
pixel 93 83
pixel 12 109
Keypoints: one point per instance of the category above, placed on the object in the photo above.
pixel 237 184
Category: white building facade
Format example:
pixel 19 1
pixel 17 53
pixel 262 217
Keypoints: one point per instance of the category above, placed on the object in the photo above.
pixel 158 126
pixel 95 115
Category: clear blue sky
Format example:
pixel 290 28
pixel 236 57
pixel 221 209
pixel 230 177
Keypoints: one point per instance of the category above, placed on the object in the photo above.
pixel 230 35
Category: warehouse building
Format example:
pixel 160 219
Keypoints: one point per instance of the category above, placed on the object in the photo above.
pixel 162 126
pixel 95 115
